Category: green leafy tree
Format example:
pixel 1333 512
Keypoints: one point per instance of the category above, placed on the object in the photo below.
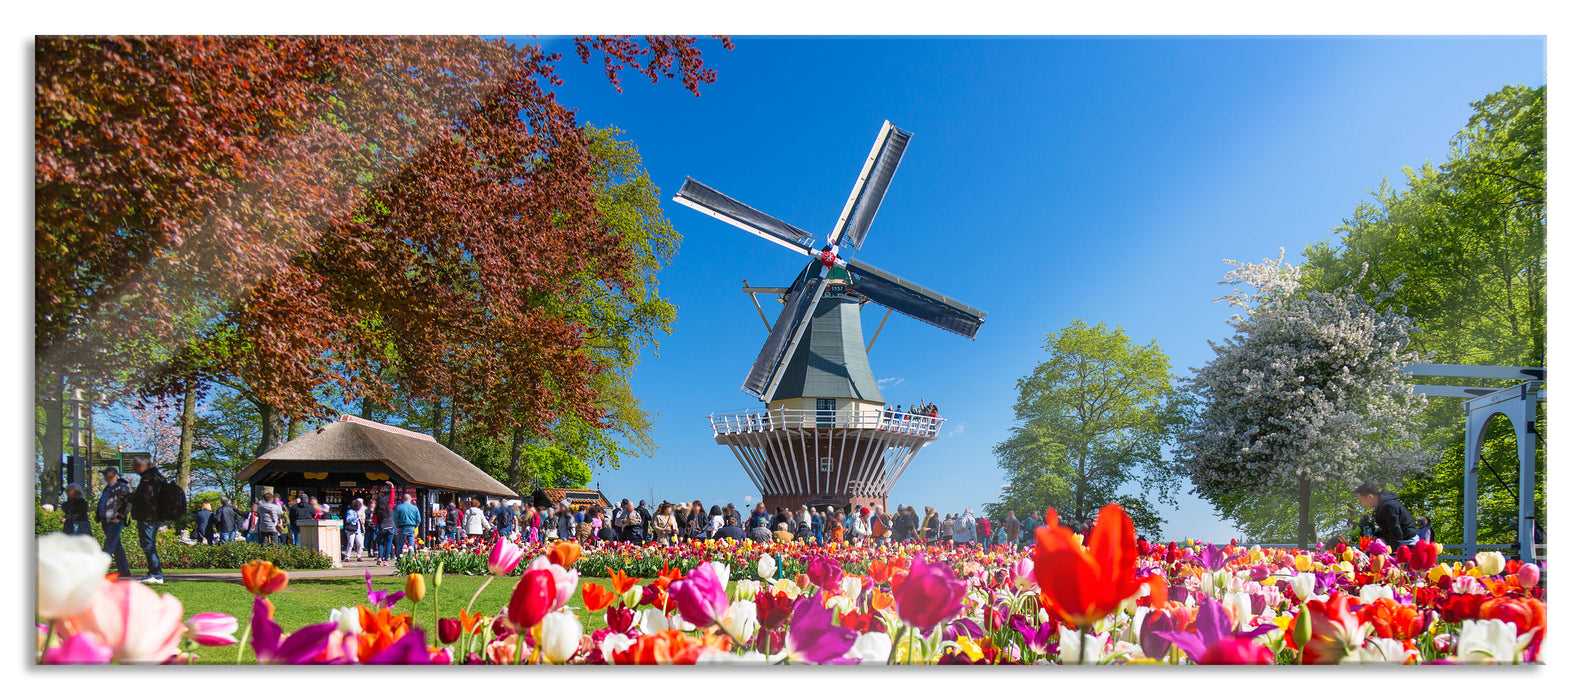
pixel 1468 240
pixel 1092 420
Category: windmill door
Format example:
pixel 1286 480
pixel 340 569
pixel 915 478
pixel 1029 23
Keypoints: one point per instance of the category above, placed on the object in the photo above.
pixel 826 413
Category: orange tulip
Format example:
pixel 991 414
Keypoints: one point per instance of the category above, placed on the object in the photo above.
pixel 621 581
pixel 565 553
pixel 670 573
pixel 263 578
pixel 381 628
pixel 471 624
pixel 416 587
pixel 1081 585
pixel 1391 620
pixel 595 597
pixel 882 600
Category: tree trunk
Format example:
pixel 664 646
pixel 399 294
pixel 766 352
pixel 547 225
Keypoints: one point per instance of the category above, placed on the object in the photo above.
pixel 450 436
pixel 514 470
pixel 291 428
pixel 437 419
pixel 367 410
pixel 54 427
pixel 189 409
pixel 1304 514
pixel 271 425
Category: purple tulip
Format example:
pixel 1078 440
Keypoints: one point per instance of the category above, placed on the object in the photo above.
pixel 1213 558
pixel 78 649
pixel 1042 640
pixel 964 626
pixel 929 594
pixel 700 597
pixel 1257 572
pixel 409 650
pixel 380 599
pixel 1149 637
pixel 1212 625
pixel 1323 581
pixel 301 647
pixel 813 639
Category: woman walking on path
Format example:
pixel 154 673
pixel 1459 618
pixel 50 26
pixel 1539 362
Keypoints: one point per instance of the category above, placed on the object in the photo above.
pixel 475 519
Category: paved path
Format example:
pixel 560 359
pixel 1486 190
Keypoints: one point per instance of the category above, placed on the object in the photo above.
pixel 350 569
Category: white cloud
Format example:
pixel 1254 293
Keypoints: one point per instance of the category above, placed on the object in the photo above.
pixel 958 430
pixel 890 381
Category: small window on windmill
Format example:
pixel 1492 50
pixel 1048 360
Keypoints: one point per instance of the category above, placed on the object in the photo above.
pixel 823 464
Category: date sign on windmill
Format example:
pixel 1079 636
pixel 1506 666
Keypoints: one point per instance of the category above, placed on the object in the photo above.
pixel 824 436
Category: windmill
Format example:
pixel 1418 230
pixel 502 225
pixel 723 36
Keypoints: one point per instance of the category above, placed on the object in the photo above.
pixel 825 435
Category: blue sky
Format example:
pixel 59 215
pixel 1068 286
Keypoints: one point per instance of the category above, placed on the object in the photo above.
pixel 1047 180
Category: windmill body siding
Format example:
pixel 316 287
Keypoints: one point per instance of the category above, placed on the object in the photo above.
pixel 831 361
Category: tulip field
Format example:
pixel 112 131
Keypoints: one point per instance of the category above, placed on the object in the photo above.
pixel 1113 599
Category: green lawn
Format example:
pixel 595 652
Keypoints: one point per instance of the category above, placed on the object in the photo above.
pixel 308 601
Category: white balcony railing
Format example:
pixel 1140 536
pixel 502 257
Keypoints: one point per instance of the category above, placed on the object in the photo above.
pixel 765 420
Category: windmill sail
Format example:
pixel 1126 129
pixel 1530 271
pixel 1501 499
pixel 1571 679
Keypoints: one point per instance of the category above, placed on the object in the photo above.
pixel 871 185
pixel 915 300
pixel 800 304
pixel 712 202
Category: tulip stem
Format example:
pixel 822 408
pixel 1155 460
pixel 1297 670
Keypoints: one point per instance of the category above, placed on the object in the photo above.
pixel 1082 645
pixel 241 645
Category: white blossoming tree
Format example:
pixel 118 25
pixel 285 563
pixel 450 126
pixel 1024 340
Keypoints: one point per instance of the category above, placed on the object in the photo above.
pixel 1305 399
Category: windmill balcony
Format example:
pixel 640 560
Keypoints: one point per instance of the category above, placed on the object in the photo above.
pixel 782 419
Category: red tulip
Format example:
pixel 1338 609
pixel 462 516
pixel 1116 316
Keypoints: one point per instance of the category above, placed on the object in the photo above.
pixel 1082 585
pixel 533 598
pixel 449 630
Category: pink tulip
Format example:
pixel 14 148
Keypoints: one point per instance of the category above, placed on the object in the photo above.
pixel 929 594
pixel 700 597
pixel 1528 575
pixel 565 581
pixel 137 624
pixel 504 557
pixel 1022 574
pixel 81 648
pixel 212 629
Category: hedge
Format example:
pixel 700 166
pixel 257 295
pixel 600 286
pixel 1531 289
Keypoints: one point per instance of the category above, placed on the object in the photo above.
pixel 174 554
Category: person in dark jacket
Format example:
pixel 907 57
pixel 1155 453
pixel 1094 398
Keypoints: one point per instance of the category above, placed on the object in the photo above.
pixel 204 520
pixel 731 530
pixel 1392 522
pixel 115 507
pixel 225 521
pixel 647 522
pixel 299 511
pixel 145 512
pixel 75 510
pixel 1425 528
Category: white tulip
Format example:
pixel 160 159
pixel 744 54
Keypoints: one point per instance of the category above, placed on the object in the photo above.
pixel 722 573
pixel 1206 583
pixel 871 648
pixel 1242 604
pixel 767 566
pixel 561 635
pixel 839 603
pixel 1303 584
pixel 1373 591
pixel 1490 642
pixel 346 620
pixel 653 621
pixel 1071 647
pixel 613 643
pixel 851 586
pixel 710 656
pixel 741 619
pixel 746 590
pixel 70 574
pixel 1490 563
pixel 1381 651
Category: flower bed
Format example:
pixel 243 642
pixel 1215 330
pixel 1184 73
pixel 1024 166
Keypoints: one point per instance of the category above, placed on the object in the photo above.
pixel 1112 600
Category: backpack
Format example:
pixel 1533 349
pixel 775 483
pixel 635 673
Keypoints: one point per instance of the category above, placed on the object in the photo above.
pixel 170 502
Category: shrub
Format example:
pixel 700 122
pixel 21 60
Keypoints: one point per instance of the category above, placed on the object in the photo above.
pixel 173 554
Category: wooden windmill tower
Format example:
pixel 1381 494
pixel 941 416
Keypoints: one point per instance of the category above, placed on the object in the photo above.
pixel 824 436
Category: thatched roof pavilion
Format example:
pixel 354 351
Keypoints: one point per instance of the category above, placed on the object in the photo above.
pixel 353 456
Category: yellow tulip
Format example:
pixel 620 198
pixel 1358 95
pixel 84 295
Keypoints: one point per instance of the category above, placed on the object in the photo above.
pixel 1304 562
pixel 1435 573
pixel 969 648
pixel 1349 555
pixel 415 587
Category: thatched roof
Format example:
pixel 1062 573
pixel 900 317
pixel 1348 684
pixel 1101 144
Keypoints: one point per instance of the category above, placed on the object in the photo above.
pixel 352 444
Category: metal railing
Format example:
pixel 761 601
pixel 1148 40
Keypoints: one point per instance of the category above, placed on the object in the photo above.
pixel 764 420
